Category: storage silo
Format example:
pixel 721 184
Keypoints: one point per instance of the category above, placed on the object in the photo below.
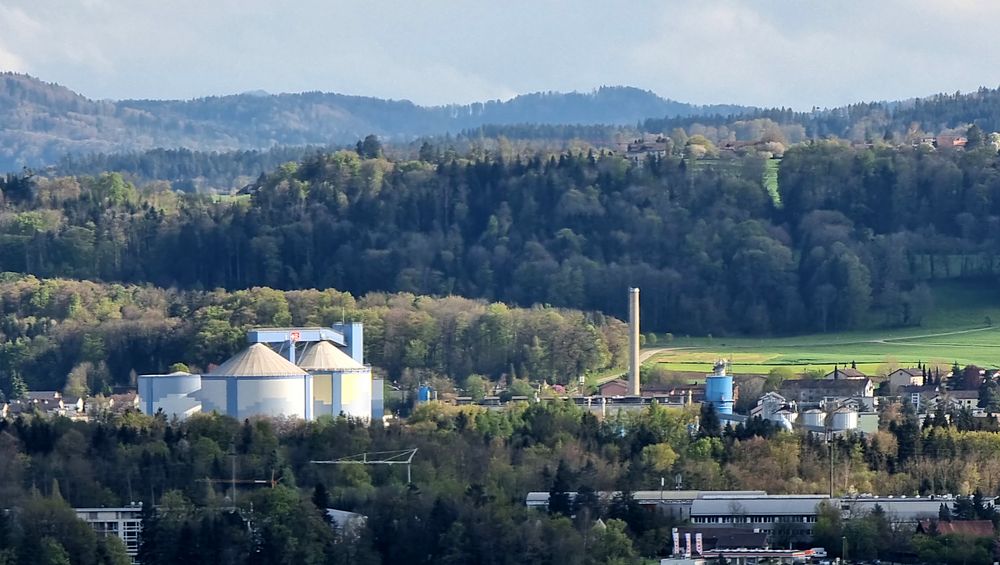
pixel 844 419
pixel 257 382
pixel 814 417
pixel 174 394
pixel 719 389
pixel 341 385
pixel 378 399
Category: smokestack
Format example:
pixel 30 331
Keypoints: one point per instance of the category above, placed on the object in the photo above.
pixel 633 342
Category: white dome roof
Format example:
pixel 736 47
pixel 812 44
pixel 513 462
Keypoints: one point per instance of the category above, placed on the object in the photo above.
pixel 325 356
pixel 258 360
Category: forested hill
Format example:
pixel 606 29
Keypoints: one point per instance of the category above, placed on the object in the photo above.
pixel 42 122
pixel 857 230
pixel 899 121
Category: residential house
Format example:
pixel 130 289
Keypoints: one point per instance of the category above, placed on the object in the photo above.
pixel 769 405
pixel 909 376
pixel 824 390
pixel 951 141
pixel 49 403
pixel 955 400
pixel 54 403
pixel 649 145
pixel 14 408
pixel 927 140
pixel 844 373
pixel 46 401
pixel 616 387
pixel 918 396
pixel 125 402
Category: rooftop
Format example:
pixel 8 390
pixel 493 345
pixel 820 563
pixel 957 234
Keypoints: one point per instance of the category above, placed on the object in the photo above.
pixel 791 504
pixel 845 373
pixel 174 374
pixel 324 355
pixel 962 394
pixel 649 496
pixel 970 528
pixel 258 360
pixel 826 384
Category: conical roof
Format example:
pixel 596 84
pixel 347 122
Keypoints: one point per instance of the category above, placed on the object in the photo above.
pixel 325 356
pixel 258 360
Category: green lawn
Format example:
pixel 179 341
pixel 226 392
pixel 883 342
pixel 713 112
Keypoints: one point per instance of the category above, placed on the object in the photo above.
pixel 956 331
pixel 771 180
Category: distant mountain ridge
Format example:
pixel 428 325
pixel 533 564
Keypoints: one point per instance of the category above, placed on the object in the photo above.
pixel 41 122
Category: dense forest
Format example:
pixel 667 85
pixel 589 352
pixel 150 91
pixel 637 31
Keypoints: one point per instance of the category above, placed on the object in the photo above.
pixel 231 171
pixel 185 170
pixel 471 473
pixel 849 237
pixel 86 338
pixel 40 123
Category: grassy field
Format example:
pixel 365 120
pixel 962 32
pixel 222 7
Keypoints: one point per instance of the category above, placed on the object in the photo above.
pixel 771 180
pixel 956 331
pixel 230 198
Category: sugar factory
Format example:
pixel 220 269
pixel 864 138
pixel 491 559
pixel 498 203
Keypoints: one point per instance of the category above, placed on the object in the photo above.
pixel 311 372
pixel 292 372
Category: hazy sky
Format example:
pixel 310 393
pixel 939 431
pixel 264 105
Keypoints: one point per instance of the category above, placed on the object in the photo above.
pixel 796 53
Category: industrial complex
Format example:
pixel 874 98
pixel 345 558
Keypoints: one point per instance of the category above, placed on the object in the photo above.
pixel 285 372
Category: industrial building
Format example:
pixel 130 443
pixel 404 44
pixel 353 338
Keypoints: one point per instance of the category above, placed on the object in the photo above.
pixel 285 372
pixel 257 382
pixel 759 512
pixel 673 503
pixel 340 384
pixel 719 389
pixel 172 393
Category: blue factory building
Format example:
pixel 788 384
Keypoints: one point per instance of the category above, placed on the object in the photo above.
pixel 719 389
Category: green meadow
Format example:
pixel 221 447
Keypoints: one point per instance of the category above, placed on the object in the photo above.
pixel 960 329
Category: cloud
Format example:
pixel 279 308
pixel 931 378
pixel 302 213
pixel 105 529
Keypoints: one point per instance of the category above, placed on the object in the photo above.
pixel 766 52
pixel 11 62
pixel 814 54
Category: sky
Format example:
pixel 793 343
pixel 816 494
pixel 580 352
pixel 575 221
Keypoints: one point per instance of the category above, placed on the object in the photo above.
pixel 795 53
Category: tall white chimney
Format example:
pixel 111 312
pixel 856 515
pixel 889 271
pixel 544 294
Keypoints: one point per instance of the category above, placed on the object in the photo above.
pixel 633 342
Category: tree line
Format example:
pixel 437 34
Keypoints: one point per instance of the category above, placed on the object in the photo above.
pixel 472 472
pixel 898 121
pixel 850 236
pixel 88 338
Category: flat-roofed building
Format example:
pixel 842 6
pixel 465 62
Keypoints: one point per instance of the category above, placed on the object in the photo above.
pixel 124 522
pixel 898 508
pixel 796 513
pixel 673 503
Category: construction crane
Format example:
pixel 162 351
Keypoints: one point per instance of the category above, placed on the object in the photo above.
pixel 398 457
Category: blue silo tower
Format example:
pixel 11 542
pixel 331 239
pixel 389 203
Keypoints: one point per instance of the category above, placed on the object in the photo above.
pixel 719 389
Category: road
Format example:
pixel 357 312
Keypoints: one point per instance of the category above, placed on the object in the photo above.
pixel 644 355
